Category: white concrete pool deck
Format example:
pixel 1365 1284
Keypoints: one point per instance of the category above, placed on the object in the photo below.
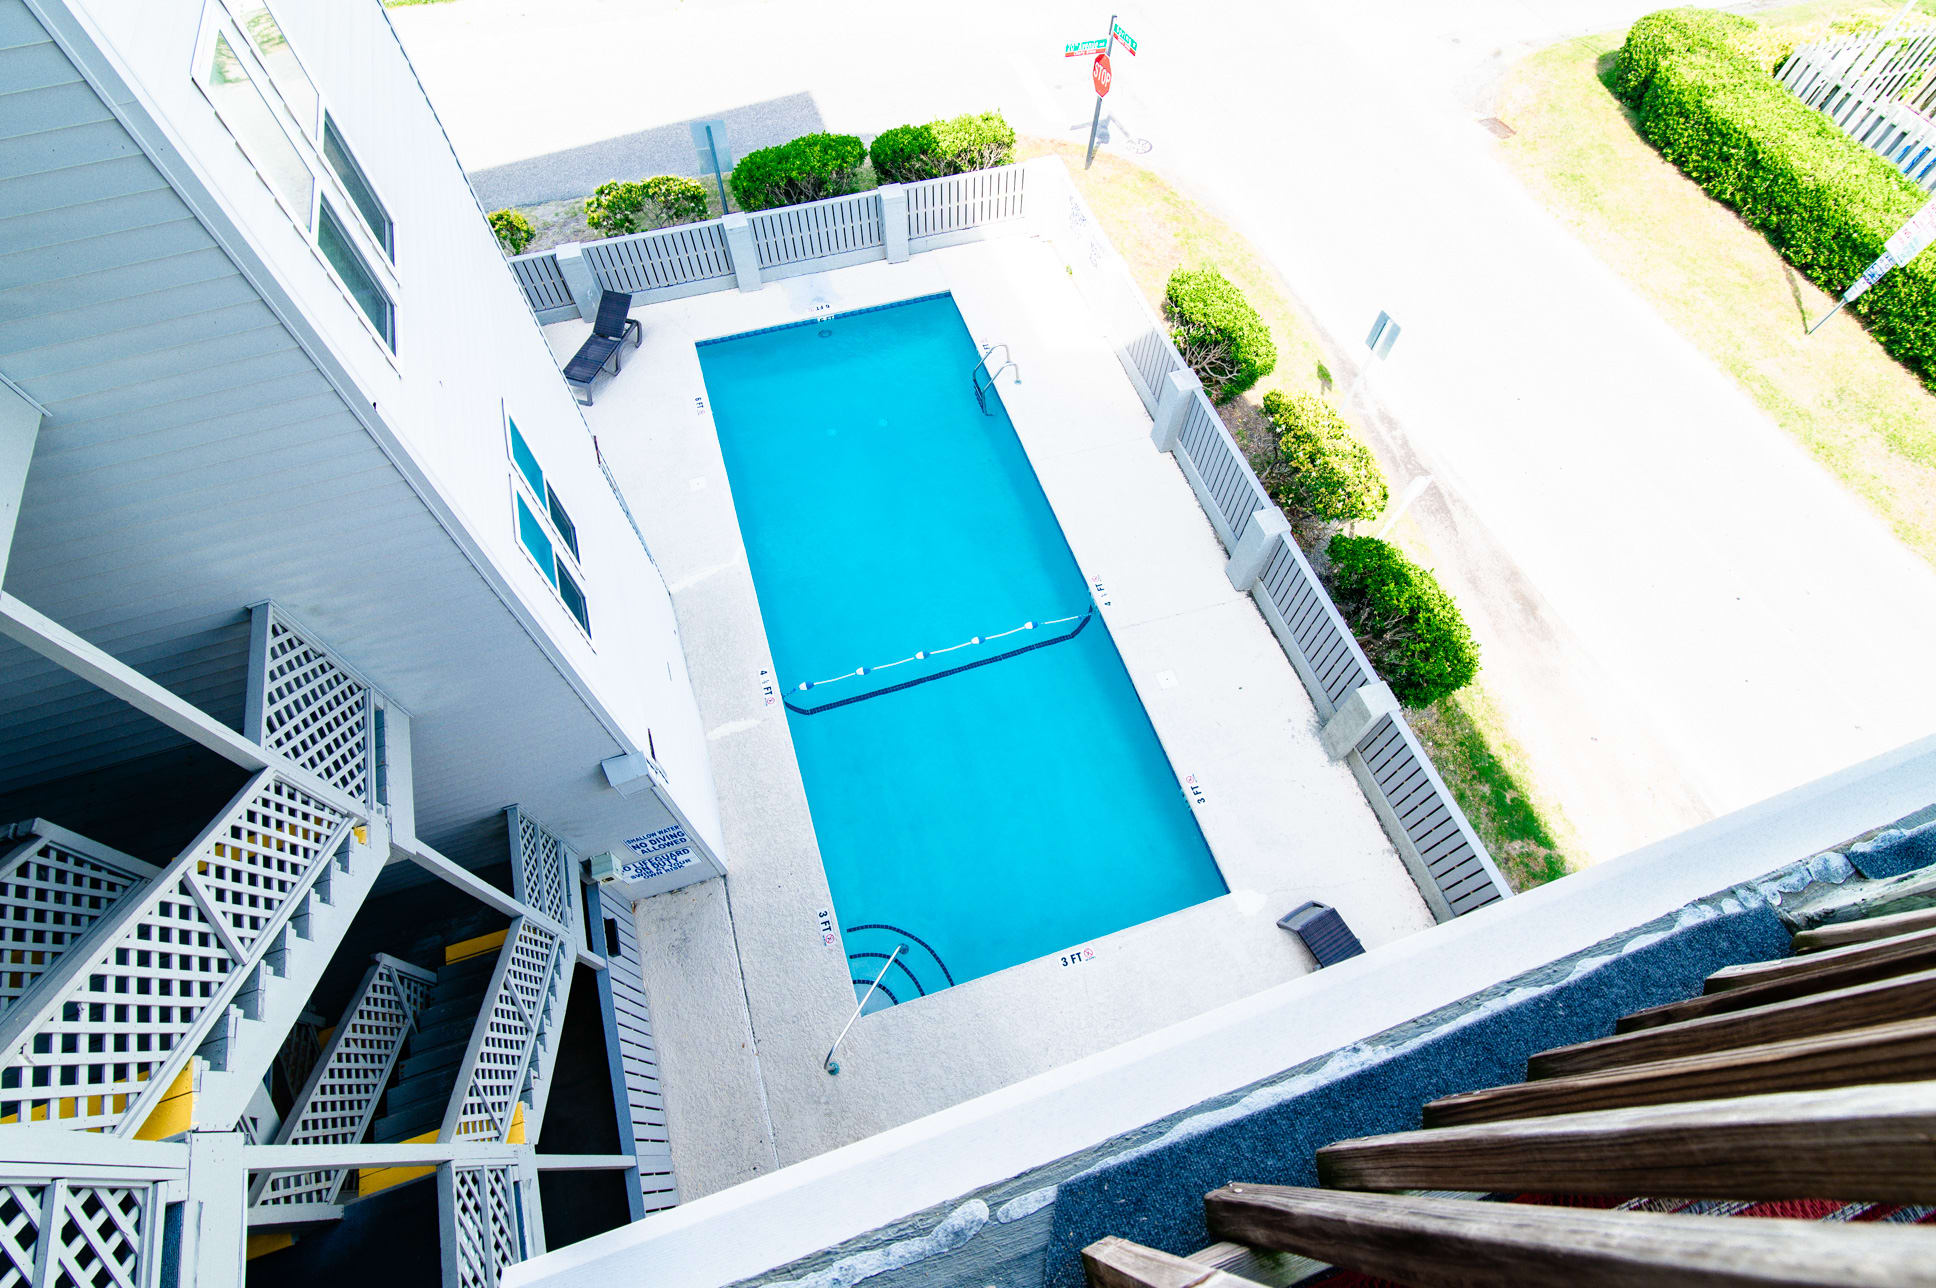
pixel 746 994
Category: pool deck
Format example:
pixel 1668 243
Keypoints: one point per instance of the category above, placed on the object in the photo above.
pixel 745 993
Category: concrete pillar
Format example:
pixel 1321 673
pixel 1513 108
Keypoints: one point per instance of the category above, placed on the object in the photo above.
pixel 894 221
pixel 1172 405
pixel 1256 545
pixel 740 249
pixel 215 1223
pixel 579 279
pixel 1360 710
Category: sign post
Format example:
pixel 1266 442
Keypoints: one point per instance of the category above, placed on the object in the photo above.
pixel 1909 241
pixel 709 140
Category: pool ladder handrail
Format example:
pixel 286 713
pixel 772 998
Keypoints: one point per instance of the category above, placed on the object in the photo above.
pixel 976 372
pixel 886 966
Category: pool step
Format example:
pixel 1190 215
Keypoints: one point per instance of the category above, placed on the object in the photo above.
pixel 916 972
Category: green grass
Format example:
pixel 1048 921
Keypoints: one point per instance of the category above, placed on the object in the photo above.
pixel 1156 228
pixel 1717 281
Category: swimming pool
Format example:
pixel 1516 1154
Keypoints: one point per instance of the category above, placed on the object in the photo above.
pixel 984 783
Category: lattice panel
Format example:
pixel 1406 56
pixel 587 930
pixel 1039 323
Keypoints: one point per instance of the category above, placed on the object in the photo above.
pixel 482 1235
pixel 102 1235
pixel 49 896
pixel 263 853
pixel 314 711
pixel 337 1104
pixel 498 1077
pixel 544 876
pixel 132 1012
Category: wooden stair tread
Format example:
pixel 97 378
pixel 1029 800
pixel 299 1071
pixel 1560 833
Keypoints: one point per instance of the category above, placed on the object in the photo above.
pixel 1866 930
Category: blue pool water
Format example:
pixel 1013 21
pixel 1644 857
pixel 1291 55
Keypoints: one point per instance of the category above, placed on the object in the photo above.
pixel 993 803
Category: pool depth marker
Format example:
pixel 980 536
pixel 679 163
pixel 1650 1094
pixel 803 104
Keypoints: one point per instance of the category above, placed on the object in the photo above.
pixel 1101 74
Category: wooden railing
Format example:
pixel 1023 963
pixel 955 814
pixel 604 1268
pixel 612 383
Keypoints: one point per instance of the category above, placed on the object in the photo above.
pixel 1805 1081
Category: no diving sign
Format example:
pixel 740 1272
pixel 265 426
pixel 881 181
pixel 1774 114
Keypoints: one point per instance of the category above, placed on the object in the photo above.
pixel 667 850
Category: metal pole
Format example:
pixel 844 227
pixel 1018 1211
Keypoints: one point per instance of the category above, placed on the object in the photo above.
pixel 1826 316
pixel 829 1064
pixel 718 178
pixel 1095 122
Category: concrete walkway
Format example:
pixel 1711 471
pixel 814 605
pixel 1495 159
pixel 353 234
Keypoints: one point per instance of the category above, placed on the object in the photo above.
pixel 1681 611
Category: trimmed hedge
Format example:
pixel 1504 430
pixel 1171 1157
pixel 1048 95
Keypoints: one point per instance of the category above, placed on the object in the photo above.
pixel 1409 627
pixel 514 231
pixel 809 168
pixel 1217 332
pixel 974 141
pixel 1823 200
pixel 1320 468
pixel 623 206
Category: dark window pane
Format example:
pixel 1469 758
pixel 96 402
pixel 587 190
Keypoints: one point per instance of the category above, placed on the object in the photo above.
pixel 349 266
pixel 567 530
pixel 337 153
pixel 574 600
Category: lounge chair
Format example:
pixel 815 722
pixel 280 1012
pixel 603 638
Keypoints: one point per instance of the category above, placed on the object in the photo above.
pixel 605 341
pixel 1323 932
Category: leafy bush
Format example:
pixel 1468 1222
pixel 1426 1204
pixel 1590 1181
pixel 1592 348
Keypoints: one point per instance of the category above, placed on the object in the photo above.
pixel 1410 628
pixel 1319 468
pixel 514 231
pixel 623 206
pixel 808 168
pixel 1217 332
pixel 973 141
pixel 1825 202
pixel 679 200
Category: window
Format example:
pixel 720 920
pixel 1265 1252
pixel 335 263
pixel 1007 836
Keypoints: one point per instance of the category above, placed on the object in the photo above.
pixel 356 275
pixel 545 529
pixel 250 119
pixel 279 60
pixel 356 186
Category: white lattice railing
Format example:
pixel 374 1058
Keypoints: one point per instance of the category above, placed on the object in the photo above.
pixel 94 1220
pixel 956 203
pixel 305 703
pixel 98 1039
pixel 488 1214
pixel 337 1103
pixel 543 871
pixel 54 885
pixel 515 1038
pixel 819 230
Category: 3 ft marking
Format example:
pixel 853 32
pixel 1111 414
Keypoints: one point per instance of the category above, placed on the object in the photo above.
pixel 769 690
pixel 829 937
pixel 1193 789
pixel 1078 956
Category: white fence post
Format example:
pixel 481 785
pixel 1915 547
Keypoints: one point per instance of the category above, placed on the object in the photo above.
pixel 740 249
pixel 1255 546
pixel 894 221
pixel 214 1220
pixel 1172 404
pixel 1360 710
pixel 579 279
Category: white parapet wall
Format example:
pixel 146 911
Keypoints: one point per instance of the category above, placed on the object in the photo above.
pixel 740 1232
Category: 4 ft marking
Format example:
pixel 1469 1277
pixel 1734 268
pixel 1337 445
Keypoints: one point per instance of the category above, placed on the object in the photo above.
pixel 769 691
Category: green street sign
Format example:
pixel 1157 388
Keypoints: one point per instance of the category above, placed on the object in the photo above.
pixel 1077 48
pixel 1129 42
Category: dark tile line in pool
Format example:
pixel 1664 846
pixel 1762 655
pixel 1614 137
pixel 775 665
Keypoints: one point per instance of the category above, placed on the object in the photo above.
pixel 831 317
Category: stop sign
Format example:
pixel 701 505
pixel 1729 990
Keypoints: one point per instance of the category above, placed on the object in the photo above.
pixel 1099 75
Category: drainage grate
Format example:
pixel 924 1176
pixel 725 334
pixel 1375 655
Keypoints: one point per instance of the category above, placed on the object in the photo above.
pixel 1498 128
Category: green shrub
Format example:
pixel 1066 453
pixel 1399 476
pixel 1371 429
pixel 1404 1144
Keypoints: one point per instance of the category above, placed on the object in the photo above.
pixel 808 168
pixel 1823 200
pixel 514 231
pixel 1319 468
pixel 1217 332
pixel 973 141
pixel 1409 627
pixel 623 206
pixel 679 200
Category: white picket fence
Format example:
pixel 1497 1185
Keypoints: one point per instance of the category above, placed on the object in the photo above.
pixel 1880 89
pixel 693 259
pixel 1444 855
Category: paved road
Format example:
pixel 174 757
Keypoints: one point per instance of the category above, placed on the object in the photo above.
pixel 1681 612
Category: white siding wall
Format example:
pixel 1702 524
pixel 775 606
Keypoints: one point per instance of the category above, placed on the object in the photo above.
pixel 466 345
